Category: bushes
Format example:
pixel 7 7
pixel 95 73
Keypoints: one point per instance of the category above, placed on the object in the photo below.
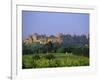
pixel 50 56
pixel 41 63
pixel 27 62
pixel 44 61
pixel 36 57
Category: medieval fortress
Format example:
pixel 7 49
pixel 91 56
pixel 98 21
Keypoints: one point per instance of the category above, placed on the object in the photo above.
pixel 43 39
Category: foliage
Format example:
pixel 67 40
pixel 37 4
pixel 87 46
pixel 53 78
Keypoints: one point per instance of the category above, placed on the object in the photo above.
pixel 26 49
pixel 27 62
pixel 73 51
pixel 61 50
pixel 36 48
pixel 81 51
pixel 60 60
pixel 41 63
pixel 50 56
pixel 36 57
pixel 49 47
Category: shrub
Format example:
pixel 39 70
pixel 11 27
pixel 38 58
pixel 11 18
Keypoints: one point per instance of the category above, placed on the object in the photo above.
pixel 60 62
pixel 84 62
pixel 50 56
pixel 52 63
pixel 41 63
pixel 36 57
pixel 27 62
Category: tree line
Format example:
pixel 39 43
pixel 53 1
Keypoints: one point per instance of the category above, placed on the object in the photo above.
pixel 78 45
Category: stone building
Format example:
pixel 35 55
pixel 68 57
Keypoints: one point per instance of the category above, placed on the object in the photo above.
pixel 43 39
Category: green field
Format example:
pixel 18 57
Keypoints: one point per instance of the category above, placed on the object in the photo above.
pixel 53 60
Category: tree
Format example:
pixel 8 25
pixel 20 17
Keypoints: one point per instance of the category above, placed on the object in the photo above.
pixel 81 51
pixel 61 50
pixel 85 51
pixel 69 49
pixel 26 48
pixel 49 47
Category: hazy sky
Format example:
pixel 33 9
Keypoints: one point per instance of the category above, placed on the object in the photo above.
pixel 52 23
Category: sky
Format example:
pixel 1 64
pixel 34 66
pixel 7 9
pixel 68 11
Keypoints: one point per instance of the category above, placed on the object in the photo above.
pixel 51 23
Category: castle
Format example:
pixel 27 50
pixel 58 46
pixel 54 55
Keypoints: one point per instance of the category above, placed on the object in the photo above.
pixel 43 39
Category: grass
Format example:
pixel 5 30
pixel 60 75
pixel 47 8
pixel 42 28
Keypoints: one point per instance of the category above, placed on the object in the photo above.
pixel 56 60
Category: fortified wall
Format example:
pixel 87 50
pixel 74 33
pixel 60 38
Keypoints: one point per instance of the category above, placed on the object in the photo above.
pixel 43 39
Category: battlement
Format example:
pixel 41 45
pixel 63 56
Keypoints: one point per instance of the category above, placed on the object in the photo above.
pixel 43 39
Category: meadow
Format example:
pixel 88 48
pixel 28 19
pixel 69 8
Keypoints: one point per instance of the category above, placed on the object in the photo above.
pixel 53 60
